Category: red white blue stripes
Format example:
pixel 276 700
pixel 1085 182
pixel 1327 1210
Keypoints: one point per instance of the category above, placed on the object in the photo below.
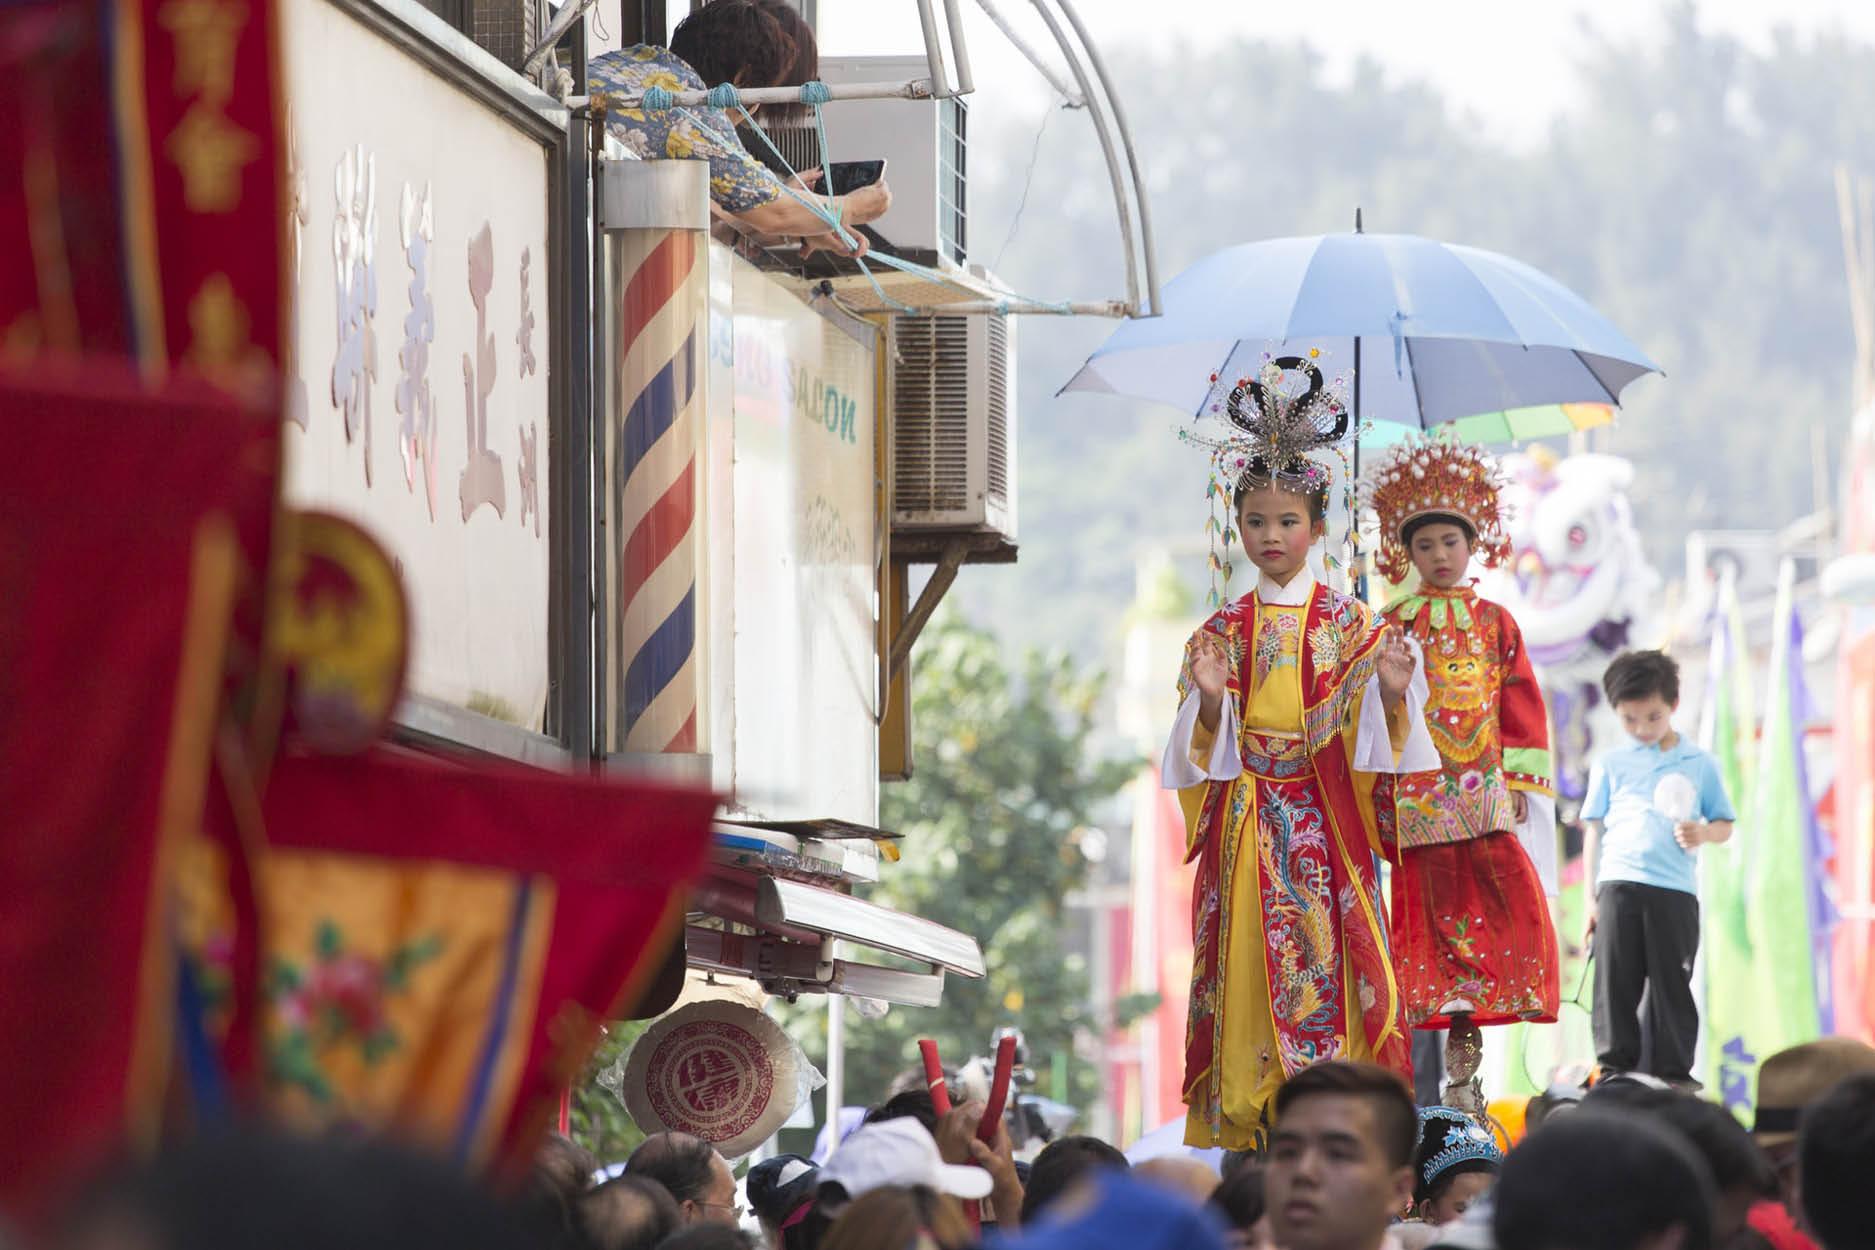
pixel 660 371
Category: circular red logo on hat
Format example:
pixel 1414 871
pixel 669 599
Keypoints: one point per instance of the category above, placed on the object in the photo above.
pixel 710 1078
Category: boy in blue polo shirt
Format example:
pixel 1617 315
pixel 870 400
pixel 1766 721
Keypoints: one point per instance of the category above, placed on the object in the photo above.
pixel 1651 805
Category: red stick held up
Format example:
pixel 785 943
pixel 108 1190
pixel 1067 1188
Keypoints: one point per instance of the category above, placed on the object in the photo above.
pixel 999 1088
pixel 934 1077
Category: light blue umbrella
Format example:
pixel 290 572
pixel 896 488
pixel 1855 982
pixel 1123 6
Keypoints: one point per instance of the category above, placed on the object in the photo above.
pixel 1168 1142
pixel 1434 331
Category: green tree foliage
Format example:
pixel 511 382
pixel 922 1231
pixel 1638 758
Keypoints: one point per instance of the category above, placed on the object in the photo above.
pixel 1005 783
pixel 598 1117
pixel 1689 195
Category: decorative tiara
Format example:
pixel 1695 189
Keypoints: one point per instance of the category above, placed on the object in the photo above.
pixel 1270 425
pixel 1465 1142
pixel 1435 477
pixel 1273 421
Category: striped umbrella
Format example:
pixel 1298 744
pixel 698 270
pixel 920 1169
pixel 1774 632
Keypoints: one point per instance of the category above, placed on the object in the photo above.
pixel 1511 425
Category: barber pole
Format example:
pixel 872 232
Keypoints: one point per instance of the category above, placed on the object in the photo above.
pixel 661 347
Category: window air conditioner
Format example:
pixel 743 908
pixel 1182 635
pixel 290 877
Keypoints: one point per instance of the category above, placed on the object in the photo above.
pixel 954 424
pixel 922 141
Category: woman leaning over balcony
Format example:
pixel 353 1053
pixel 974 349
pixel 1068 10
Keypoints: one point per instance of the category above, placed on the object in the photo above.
pixel 748 43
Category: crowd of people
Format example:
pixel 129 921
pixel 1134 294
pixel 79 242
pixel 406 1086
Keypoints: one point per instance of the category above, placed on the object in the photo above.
pixel 1351 1164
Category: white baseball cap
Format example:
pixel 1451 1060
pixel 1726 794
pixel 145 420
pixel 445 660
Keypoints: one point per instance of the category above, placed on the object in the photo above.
pixel 899 1152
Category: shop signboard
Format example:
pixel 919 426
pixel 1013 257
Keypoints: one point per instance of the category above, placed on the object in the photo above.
pixel 793 549
pixel 419 396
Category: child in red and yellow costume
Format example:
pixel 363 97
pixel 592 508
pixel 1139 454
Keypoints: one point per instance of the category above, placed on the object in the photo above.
pixel 1472 937
pixel 1295 705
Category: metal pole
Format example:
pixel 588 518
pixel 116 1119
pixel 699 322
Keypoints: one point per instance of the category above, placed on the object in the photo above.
pixel 1074 98
pixel 600 387
pixel 934 50
pixel 1100 967
pixel 571 12
pixel 1354 515
pixel 1132 158
pixel 836 1061
pixel 913 89
pixel 1120 206
pixel 959 49
pixel 1071 308
pixel 573 460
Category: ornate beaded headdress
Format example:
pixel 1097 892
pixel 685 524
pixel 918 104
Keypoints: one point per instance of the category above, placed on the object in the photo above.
pixel 1424 477
pixel 1465 1142
pixel 1268 426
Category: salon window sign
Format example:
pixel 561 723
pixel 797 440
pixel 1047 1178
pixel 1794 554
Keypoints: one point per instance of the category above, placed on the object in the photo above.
pixel 418 401
pixel 804 579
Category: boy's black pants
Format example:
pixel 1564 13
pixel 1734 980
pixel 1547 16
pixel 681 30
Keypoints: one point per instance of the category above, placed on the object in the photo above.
pixel 1645 1016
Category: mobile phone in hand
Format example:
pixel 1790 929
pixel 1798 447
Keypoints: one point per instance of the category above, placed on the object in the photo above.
pixel 846 176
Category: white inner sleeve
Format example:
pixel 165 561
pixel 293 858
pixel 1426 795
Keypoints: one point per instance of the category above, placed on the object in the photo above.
pixel 1538 835
pixel 1177 771
pixel 1373 745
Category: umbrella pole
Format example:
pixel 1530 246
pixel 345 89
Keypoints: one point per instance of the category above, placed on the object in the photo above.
pixel 1354 516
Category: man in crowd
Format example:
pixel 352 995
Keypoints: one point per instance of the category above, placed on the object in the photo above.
pixel 691 1172
pixel 1062 1164
pixel 1741 1176
pixel 1788 1083
pixel 626 1213
pixel 1595 1180
pixel 1341 1157
pixel 1836 1158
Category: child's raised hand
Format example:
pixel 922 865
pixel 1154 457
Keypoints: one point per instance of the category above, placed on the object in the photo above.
pixel 1396 666
pixel 1210 666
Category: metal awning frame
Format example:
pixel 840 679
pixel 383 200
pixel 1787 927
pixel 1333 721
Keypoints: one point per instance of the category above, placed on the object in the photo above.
pixel 789 969
pixel 783 934
pixel 1094 92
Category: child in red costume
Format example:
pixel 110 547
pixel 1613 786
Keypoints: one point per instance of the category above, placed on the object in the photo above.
pixel 1472 937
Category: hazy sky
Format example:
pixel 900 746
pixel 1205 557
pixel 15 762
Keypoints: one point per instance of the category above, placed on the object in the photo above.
pixel 1508 61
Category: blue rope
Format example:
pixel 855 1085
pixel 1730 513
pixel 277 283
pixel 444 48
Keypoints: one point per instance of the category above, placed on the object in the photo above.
pixel 657 100
pixel 725 96
pixel 816 93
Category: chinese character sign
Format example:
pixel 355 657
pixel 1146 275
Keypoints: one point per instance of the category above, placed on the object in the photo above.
pixel 354 260
pixel 424 256
pixel 481 481
pixel 416 433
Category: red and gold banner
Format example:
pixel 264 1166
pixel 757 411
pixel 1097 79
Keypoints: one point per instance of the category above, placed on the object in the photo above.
pixel 192 918
pixel 442 945
pixel 119 559
pixel 148 223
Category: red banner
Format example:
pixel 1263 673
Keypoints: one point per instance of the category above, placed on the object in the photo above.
pixel 118 568
pixel 443 944
pixel 148 223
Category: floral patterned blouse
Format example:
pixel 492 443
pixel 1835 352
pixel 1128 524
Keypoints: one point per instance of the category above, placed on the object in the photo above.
pixel 738 182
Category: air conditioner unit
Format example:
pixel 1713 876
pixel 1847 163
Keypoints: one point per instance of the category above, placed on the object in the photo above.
pixel 954 425
pixel 923 142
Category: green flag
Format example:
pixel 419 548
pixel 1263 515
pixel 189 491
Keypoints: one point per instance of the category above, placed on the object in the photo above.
pixel 1731 1000
pixel 1781 920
